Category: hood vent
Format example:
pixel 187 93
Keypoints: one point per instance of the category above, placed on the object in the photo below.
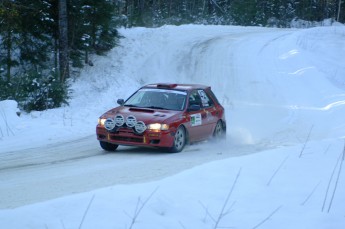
pixel 141 110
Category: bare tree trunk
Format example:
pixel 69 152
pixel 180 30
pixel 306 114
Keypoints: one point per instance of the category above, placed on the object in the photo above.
pixel 170 8
pixel 63 41
pixel 56 56
pixel 339 6
pixel 9 54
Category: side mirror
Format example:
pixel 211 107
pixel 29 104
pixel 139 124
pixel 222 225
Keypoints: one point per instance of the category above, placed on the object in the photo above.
pixel 194 107
pixel 120 102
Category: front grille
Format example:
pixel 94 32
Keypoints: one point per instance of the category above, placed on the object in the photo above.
pixel 127 135
pixel 127 139
pixel 125 131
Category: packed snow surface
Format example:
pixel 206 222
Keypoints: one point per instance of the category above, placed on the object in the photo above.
pixel 279 167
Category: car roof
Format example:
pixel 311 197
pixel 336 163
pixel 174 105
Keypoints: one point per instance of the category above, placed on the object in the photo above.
pixel 186 87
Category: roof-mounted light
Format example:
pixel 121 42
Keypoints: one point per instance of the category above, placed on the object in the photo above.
pixel 165 85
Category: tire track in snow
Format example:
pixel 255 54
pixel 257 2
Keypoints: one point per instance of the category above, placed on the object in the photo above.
pixel 60 169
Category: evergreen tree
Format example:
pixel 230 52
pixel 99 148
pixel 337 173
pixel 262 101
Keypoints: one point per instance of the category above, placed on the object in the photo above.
pixel 244 12
pixel 35 42
pixel 9 37
pixel 92 28
pixel 39 39
pixel 34 46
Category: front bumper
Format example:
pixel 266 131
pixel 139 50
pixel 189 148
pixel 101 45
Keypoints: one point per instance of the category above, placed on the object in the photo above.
pixel 126 136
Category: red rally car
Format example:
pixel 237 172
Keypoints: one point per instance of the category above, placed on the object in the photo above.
pixel 163 115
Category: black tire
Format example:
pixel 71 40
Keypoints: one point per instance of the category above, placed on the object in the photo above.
pixel 219 131
pixel 108 146
pixel 179 140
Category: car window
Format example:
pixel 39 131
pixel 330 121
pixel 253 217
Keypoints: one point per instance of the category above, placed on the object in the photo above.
pixel 200 97
pixel 213 96
pixel 158 99
pixel 135 99
pixel 194 98
pixel 205 99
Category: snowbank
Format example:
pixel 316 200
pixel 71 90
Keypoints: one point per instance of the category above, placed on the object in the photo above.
pixel 286 188
pixel 9 116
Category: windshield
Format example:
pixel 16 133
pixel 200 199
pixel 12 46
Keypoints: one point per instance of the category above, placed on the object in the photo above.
pixel 158 99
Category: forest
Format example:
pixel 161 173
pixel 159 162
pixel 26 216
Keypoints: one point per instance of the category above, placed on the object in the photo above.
pixel 44 43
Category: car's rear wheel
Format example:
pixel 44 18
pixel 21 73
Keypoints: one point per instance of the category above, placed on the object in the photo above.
pixel 219 131
pixel 108 146
pixel 179 140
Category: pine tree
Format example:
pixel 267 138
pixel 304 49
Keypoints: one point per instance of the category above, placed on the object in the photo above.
pixel 35 39
pixel 92 29
pixel 9 31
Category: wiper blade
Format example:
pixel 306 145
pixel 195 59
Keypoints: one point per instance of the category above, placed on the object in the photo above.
pixel 155 107
pixel 130 105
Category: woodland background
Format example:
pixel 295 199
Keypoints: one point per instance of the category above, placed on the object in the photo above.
pixel 43 44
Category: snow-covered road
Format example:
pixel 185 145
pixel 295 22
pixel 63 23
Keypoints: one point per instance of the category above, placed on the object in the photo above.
pixel 55 170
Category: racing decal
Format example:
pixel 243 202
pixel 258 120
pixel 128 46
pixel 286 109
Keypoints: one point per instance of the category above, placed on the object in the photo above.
pixel 195 119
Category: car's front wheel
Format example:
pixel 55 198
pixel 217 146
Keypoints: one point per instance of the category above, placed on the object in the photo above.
pixel 108 146
pixel 179 140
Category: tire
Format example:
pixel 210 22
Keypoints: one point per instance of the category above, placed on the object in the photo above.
pixel 179 140
pixel 219 132
pixel 108 146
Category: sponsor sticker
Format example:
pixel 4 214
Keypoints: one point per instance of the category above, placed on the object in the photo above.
pixel 195 119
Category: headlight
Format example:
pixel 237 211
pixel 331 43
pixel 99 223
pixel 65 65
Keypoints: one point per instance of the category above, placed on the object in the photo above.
pixel 101 121
pixel 158 126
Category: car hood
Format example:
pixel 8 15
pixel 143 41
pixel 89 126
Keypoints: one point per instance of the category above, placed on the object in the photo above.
pixel 146 115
